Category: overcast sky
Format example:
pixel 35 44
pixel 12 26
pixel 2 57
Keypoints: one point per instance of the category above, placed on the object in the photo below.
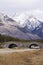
pixel 12 6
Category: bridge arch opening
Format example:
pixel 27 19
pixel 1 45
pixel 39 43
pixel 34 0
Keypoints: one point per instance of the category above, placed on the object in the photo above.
pixel 12 46
pixel 34 46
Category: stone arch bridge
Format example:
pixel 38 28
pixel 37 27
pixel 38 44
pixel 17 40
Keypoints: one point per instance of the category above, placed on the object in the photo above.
pixel 32 45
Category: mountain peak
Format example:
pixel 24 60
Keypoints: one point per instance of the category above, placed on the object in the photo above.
pixel 25 19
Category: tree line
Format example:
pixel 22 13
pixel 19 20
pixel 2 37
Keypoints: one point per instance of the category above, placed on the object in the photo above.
pixel 4 38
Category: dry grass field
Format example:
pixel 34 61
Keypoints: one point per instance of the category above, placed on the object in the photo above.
pixel 34 57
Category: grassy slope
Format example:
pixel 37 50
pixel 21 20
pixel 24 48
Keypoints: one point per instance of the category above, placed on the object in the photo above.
pixel 24 58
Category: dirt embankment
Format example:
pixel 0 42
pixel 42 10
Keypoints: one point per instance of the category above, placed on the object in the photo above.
pixel 33 57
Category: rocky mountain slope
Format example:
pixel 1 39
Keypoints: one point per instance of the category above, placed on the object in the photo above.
pixel 21 26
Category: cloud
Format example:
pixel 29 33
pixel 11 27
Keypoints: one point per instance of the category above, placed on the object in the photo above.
pixel 38 13
pixel 12 6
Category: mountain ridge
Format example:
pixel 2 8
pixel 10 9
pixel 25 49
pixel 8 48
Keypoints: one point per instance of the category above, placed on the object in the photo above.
pixel 29 29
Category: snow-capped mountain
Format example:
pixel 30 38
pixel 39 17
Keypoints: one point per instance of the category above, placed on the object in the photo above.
pixel 39 30
pixel 25 20
pixel 22 26
pixel 5 19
